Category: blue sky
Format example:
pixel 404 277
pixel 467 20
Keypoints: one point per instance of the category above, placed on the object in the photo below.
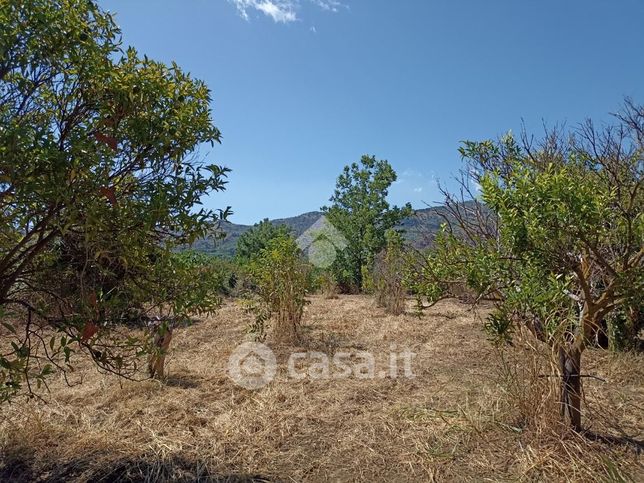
pixel 303 87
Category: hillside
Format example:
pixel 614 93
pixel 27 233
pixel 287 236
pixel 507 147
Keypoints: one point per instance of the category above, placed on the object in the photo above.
pixel 419 230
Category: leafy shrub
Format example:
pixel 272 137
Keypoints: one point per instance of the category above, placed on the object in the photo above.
pixel 327 285
pixel 192 283
pixel 564 249
pixel 344 274
pixel 281 275
pixel 253 241
pixel 623 326
pixel 388 275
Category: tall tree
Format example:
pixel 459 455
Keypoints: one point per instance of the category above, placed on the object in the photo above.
pixel 361 212
pixel 98 179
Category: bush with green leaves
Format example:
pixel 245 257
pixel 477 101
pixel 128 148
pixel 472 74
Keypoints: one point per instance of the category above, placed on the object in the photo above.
pixel 98 185
pixel 253 241
pixel 190 284
pixel 281 275
pixel 389 275
pixel 326 284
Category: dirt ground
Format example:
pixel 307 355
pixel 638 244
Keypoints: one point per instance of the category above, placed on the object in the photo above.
pixel 450 422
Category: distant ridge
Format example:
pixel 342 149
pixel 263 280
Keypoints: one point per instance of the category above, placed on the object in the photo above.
pixel 420 228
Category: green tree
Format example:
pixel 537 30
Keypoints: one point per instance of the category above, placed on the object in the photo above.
pixel 253 241
pixel 566 249
pixel 98 183
pixel 360 211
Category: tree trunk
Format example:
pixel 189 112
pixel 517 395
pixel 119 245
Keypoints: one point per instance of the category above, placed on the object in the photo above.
pixel 156 360
pixel 570 365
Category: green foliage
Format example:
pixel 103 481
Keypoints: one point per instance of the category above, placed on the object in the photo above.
pixel 563 237
pixel 368 278
pixel 361 212
pixel 98 184
pixel 325 282
pixel 624 325
pixel 281 275
pixel 192 283
pixel 444 270
pixel 553 219
pixel 252 242
pixel 566 249
pixel 388 275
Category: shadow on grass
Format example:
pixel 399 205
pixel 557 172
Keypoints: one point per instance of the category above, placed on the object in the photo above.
pixel 637 445
pixel 184 381
pixel 174 468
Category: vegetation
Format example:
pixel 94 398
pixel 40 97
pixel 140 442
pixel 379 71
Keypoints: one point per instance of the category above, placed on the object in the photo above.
pixel 97 185
pixel 196 285
pixel 101 209
pixel 253 241
pixel 388 275
pixel 360 211
pixel 281 276
pixel 185 285
pixel 565 250
pixel 327 284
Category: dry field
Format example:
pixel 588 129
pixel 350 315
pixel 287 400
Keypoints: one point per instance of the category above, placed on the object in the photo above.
pixel 459 419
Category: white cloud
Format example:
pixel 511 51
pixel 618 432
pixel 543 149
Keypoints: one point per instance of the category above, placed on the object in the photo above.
pixel 329 5
pixel 281 11
pixel 418 190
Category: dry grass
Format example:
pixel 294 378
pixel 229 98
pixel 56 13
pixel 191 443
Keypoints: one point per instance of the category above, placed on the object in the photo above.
pixel 458 420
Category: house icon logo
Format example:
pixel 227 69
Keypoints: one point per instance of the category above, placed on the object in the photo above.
pixel 321 242
pixel 252 365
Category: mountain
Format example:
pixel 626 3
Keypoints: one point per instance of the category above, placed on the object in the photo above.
pixel 420 228
pixel 226 247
